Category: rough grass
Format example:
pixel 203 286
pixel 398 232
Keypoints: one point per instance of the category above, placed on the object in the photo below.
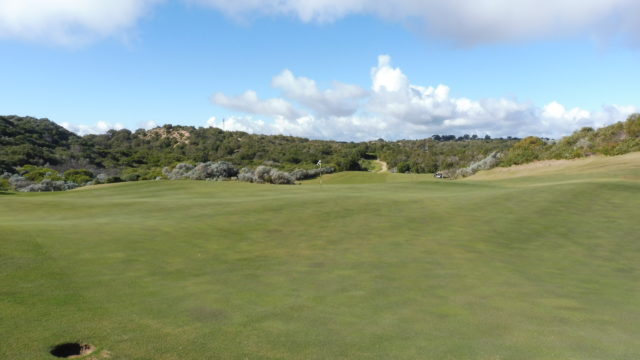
pixel 352 266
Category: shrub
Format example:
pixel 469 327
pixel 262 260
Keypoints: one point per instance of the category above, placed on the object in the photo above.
pixel 300 174
pixel 403 167
pixel 526 150
pixel 19 182
pixel 263 174
pixel 220 170
pixel 131 177
pixel 179 172
pixel 281 177
pixel 37 174
pixel 4 184
pixel 78 176
pixel 632 125
pixel 49 185
pixel 101 179
pixel 266 174
pixel 246 175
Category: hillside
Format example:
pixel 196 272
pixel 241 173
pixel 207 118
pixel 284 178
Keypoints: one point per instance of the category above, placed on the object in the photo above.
pixel 30 141
pixel 142 155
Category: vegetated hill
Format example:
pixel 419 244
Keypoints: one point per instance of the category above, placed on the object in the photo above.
pixel 619 138
pixel 27 140
pixel 143 153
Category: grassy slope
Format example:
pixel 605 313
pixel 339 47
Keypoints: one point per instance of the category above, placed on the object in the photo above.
pixel 367 266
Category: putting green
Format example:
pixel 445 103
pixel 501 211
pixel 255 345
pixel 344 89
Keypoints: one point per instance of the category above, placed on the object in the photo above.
pixel 350 266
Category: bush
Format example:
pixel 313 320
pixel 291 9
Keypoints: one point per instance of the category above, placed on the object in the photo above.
pixel 37 174
pixel 300 174
pixel 131 177
pixel 78 176
pixel 4 184
pixel 49 185
pixel 403 167
pixel 266 174
pixel 18 182
pixel 179 172
pixel 220 170
pixel 632 126
pixel 246 175
pixel 526 150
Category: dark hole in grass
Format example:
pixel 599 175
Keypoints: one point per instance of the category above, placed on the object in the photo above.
pixel 68 350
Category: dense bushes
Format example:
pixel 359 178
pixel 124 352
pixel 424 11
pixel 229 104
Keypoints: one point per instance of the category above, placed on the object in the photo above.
pixel 526 150
pixel 39 149
pixel 4 184
pixel 266 174
pixel 78 176
pixel 300 174
pixel 203 171
pixel 22 184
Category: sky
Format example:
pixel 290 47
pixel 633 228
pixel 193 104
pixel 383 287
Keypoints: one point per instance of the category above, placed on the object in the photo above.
pixel 348 70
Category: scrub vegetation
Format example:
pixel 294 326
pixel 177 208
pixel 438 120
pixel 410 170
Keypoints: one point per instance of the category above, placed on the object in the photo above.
pixel 34 150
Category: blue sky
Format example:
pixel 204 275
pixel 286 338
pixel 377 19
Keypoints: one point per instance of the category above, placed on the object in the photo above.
pixel 349 70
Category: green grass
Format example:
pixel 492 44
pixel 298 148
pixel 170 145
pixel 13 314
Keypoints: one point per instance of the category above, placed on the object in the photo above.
pixel 350 266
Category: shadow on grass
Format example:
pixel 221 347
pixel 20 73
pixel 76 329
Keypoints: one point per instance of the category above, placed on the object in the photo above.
pixel 6 193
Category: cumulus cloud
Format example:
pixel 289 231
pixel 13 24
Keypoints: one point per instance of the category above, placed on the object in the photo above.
pixel 250 103
pixel 341 100
pixel 464 21
pixel 100 127
pixel 69 22
pixel 394 108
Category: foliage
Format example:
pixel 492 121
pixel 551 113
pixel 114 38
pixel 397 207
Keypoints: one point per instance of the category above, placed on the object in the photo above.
pixel 4 184
pixel 524 151
pixel 37 173
pixel 266 174
pixel 78 176
pixel 51 150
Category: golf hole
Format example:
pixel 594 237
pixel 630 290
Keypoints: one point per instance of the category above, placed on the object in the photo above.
pixel 71 350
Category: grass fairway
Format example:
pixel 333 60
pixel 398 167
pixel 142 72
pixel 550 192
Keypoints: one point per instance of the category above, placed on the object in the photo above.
pixel 353 266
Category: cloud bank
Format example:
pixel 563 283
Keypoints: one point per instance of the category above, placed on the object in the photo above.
pixel 467 22
pixel 69 22
pixel 393 108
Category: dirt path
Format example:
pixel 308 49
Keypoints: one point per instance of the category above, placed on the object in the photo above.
pixel 383 165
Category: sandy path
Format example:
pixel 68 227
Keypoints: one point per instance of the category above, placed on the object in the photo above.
pixel 383 165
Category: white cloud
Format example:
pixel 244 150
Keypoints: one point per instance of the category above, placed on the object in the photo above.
pixel 395 108
pixel 69 22
pixel 464 21
pixel 249 102
pixel 342 100
pixel 469 22
pixel 100 127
